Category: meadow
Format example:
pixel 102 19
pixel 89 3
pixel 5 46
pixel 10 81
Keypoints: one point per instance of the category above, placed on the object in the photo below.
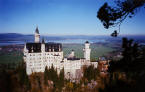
pixel 11 57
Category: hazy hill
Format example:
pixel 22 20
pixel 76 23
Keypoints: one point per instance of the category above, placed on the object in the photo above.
pixel 15 38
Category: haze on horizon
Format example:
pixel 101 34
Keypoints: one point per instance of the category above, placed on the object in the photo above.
pixel 61 17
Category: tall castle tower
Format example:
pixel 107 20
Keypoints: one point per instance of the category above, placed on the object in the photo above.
pixel 37 36
pixel 87 51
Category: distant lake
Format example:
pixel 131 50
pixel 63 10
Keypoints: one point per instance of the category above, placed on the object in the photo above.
pixel 77 41
pixel 81 41
pixel 5 43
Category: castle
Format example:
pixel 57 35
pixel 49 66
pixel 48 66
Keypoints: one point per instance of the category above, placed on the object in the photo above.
pixel 38 55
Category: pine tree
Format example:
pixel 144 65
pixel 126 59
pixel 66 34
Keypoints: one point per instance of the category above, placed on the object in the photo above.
pixel 23 77
pixel 61 79
pixel 46 75
pixel 90 73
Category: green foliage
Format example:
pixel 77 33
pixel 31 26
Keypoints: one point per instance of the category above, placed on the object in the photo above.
pixel 117 85
pixel 131 66
pixel 61 78
pixel 132 61
pixel 90 73
pixel 23 77
pixel 111 16
pixel 11 57
pixel 46 75
pixel 5 81
pixel 10 60
pixel 51 74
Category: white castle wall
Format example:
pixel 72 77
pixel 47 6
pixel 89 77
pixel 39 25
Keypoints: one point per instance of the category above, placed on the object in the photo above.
pixel 36 62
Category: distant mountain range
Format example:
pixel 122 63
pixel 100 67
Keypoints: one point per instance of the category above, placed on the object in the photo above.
pixel 14 36
pixel 21 38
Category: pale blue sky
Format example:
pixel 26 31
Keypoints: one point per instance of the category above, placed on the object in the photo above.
pixel 61 17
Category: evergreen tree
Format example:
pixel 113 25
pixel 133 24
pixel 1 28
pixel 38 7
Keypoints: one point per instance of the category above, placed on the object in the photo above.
pixel 51 74
pixel 90 73
pixel 46 73
pixel 61 79
pixel 5 81
pixel 132 65
pixel 112 16
pixel 23 77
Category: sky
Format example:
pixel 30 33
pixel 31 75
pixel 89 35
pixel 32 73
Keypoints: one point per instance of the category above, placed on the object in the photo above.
pixel 62 17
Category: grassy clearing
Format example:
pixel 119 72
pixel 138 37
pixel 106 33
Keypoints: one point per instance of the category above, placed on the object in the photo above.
pixel 11 57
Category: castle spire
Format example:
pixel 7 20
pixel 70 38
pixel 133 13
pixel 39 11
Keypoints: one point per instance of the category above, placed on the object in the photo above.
pixel 43 40
pixel 37 30
pixel 43 45
pixel 37 35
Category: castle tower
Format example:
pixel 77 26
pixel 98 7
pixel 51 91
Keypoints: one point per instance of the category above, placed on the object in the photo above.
pixel 87 51
pixel 25 49
pixel 25 52
pixel 37 36
pixel 43 46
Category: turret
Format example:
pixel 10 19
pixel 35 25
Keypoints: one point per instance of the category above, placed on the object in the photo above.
pixel 43 45
pixel 32 49
pixel 25 52
pixel 59 48
pixel 25 49
pixel 87 51
pixel 72 54
pixel 37 36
